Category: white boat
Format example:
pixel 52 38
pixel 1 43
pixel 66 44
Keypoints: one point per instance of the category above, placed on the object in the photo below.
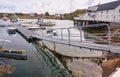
pixel 23 22
pixel 33 28
pixel 41 22
pixel 47 23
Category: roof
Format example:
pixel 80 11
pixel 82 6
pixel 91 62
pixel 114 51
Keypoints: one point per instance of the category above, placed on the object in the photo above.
pixel 108 6
pixel 97 25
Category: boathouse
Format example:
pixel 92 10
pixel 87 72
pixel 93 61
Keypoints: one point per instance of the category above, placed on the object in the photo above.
pixel 107 13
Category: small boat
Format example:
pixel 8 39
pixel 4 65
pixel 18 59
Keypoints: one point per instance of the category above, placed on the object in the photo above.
pixel 11 30
pixel 48 23
pixel 14 19
pixel 41 22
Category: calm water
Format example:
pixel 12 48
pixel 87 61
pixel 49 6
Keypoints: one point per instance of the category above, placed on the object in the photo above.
pixel 39 63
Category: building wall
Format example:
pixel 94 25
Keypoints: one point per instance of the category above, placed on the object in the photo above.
pixel 105 15
pixel 88 17
pixel 117 14
pixel 115 25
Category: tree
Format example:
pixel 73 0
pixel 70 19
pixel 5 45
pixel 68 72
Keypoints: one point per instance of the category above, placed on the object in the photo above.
pixel 46 13
pixel 74 14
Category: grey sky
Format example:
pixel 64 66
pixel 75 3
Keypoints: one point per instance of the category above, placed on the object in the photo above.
pixel 41 6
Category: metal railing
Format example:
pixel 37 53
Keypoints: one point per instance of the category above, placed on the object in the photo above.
pixel 80 28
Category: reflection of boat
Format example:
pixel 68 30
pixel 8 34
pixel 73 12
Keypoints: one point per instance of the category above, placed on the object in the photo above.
pixel 6 69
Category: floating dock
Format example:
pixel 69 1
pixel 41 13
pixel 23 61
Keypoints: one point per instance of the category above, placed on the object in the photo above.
pixel 13 54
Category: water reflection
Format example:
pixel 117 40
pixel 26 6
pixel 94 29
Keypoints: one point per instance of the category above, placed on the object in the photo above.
pixel 40 63
pixel 5 68
pixel 55 68
pixel 78 66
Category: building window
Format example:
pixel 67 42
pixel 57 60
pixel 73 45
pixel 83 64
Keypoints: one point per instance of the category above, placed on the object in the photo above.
pixel 114 18
pixel 89 14
pixel 107 16
pixel 107 11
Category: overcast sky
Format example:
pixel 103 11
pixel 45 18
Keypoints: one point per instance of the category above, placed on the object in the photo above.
pixel 51 6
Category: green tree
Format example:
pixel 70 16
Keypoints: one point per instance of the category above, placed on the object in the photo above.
pixel 74 14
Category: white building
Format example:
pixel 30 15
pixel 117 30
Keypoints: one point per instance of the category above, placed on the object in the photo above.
pixel 109 12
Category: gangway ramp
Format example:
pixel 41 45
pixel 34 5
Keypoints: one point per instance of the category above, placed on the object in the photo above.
pixel 76 44
pixel 92 46
pixel 24 32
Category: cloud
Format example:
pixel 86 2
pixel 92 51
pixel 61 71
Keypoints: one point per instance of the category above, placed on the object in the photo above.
pixel 96 2
pixel 42 6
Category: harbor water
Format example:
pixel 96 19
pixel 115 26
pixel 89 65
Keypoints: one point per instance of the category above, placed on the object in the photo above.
pixel 38 63
pixel 41 62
